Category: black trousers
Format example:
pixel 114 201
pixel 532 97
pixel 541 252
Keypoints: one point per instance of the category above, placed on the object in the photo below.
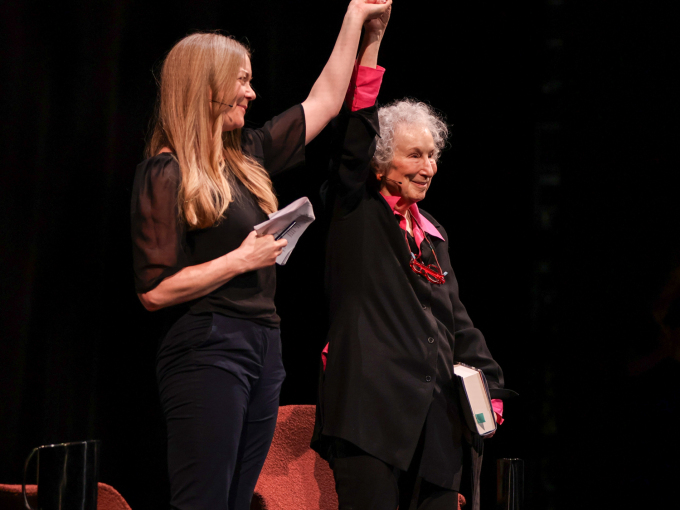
pixel 364 482
pixel 219 380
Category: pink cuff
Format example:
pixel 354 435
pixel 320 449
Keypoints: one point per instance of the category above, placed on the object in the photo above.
pixel 364 87
pixel 324 358
pixel 497 405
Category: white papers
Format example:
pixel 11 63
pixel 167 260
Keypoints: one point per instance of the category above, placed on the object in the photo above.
pixel 300 212
pixel 475 398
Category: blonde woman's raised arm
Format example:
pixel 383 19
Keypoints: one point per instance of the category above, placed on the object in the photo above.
pixel 327 94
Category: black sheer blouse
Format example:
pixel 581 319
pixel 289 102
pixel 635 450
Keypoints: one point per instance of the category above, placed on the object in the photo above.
pixel 162 244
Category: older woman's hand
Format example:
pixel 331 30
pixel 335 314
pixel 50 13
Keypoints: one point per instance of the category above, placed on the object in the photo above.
pixel 374 29
pixel 370 9
pixel 377 25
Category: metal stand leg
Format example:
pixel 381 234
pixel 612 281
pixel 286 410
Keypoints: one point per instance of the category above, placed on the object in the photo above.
pixel 510 484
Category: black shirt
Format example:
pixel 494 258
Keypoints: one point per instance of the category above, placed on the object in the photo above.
pixel 163 245
pixel 393 336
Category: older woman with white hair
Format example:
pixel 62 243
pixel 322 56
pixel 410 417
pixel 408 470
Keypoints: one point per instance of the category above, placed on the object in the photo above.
pixel 389 417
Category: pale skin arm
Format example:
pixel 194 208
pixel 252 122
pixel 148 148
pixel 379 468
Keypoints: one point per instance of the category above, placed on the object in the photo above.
pixel 195 281
pixel 374 30
pixel 326 97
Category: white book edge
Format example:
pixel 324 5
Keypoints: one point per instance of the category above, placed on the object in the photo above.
pixel 476 400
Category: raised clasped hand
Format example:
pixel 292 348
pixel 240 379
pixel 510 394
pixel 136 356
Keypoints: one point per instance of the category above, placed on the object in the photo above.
pixel 372 9
pixel 378 24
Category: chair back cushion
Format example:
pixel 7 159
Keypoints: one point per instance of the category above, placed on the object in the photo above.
pixel 294 477
pixel 11 497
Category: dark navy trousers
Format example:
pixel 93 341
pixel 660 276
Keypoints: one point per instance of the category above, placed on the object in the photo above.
pixel 219 381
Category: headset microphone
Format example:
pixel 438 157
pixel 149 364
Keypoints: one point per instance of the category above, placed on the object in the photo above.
pixel 398 182
pixel 224 104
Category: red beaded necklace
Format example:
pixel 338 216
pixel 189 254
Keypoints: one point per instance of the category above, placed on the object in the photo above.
pixel 430 272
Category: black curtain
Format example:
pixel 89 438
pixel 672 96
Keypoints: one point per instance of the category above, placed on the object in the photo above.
pixel 560 173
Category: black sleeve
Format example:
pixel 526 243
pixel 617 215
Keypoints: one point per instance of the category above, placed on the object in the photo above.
pixel 470 347
pixel 157 234
pixel 279 145
pixel 353 146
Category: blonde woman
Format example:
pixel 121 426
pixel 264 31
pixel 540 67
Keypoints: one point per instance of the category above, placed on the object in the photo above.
pixel 196 198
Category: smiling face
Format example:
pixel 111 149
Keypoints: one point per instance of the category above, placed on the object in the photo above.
pixel 413 164
pixel 239 97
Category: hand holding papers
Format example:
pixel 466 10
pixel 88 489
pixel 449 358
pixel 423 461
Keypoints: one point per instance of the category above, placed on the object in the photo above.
pixel 288 223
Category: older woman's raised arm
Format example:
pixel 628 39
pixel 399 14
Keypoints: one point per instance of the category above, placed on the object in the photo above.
pixel 326 97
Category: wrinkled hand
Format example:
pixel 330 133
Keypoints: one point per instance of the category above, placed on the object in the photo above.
pixel 258 252
pixel 370 9
pixel 377 25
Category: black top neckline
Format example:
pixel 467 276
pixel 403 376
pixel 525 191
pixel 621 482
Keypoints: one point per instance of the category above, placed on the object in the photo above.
pixel 163 245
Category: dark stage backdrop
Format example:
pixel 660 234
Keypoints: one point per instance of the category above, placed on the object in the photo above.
pixel 560 176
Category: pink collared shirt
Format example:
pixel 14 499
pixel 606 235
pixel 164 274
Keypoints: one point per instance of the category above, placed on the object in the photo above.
pixel 421 223
pixel 364 87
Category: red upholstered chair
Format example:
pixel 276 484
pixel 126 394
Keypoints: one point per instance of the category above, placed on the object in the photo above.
pixel 294 477
pixel 11 497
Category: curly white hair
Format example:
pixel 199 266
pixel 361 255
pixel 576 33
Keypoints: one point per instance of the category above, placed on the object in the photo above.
pixel 401 113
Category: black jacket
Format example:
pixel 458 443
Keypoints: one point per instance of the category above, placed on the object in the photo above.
pixel 393 336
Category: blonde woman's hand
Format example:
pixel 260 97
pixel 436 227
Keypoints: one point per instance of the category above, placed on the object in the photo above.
pixel 370 9
pixel 258 252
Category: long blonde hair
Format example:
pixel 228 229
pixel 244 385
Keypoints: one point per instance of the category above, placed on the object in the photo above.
pixel 209 159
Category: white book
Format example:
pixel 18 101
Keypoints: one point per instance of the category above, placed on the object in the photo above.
pixel 288 223
pixel 475 399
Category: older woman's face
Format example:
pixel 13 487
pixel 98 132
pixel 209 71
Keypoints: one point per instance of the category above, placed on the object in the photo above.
pixel 413 164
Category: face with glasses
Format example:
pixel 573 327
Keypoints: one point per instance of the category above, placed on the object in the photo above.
pixel 233 117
